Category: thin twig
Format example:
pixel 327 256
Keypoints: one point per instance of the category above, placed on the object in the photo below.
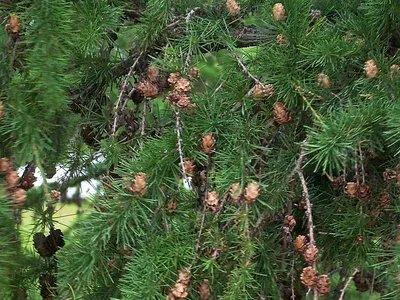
pixel 362 163
pixel 314 112
pixel 245 70
pixel 143 118
pixel 356 166
pixel 371 295
pixel 123 87
pixel 343 291
pixel 178 130
pixel 293 297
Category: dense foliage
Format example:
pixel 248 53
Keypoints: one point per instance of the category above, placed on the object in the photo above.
pixel 245 149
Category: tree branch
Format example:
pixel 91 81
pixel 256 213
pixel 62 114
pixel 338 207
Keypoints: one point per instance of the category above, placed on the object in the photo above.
pixel 356 270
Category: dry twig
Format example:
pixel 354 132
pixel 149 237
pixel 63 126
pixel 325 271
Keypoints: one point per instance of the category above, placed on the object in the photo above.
pixel 343 291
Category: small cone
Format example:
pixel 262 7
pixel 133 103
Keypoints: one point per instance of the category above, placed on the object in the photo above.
pixel 180 100
pixel 174 77
pixel 153 74
pixel 182 85
pixel 289 222
pixel 180 291
pixel 323 285
pixel 235 192
pixel 208 143
pixel 212 200
pixel 370 68
pixel 184 276
pixel 251 192
pixel 351 190
pixel 262 91
pixel 384 200
pixel 5 165
pixel 361 283
pixel 364 191
pixel 189 167
pixel 12 179
pixel 55 195
pixel 147 89
pixel 309 277
pixel 139 184
pixel 278 12
pixel 13 24
pixel 310 254
pixel 194 73
pixel 323 80
pixel 203 290
pixel 300 243
pixel 389 175
pixel 19 197
pixel 171 206
pixel 281 39
pixel 233 7
pixel 281 114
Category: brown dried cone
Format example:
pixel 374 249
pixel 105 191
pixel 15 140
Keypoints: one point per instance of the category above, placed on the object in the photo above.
pixel 212 200
pixel 339 183
pixel 13 24
pixel 370 69
pixel 278 12
pixel 1 110
pixel 153 74
pixel 182 85
pixel 171 206
pixel 384 200
pixel 289 222
pixel 235 192
pixel 12 179
pixel 300 243
pixel 361 283
pixel 281 114
pixel 309 277
pixel 310 254
pixel 147 89
pixel 208 143
pixel 56 195
pixel 189 166
pixel 174 77
pixel 194 72
pixel 204 290
pixel 5 165
pixel 390 175
pixel 179 291
pixel 251 192
pixel 233 7
pixel 262 91
pixel 394 70
pixel 323 285
pixel 364 191
pixel 139 184
pixel 281 39
pixel 323 80
pixel 19 196
pixel 180 100
pixel 351 190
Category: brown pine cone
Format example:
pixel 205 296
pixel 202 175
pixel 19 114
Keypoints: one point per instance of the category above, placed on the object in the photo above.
pixel 323 80
pixel 204 290
pixel 13 24
pixel 370 68
pixel 233 7
pixel 384 200
pixel 19 196
pixel 309 277
pixel 281 114
pixel 189 166
pixel 361 283
pixel 263 91
pixel 174 77
pixel 12 179
pixel 171 206
pixel 338 183
pixel 5 165
pixel 139 184
pixel 182 85
pixel 180 100
pixel 310 254
pixel 184 276
pixel 390 175
pixel 208 143
pixel 351 190
pixel 180 291
pixel 251 192
pixel 323 285
pixel 289 222
pixel 153 74
pixel 278 12
pixel 147 89
pixel 194 73
pixel 212 200
pixel 364 191
pixel 281 39
pixel 300 243
pixel 235 192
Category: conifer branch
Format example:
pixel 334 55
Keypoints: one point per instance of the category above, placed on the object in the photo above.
pixel 122 91
pixel 178 130
pixel 343 291
pixel 247 72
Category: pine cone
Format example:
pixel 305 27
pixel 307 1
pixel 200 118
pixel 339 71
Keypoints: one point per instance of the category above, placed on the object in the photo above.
pixel 309 277
pixel 339 183
pixel 203 290
pixel 19 196
pixel 323 80
pixel 235 192
pixel 208 143
pixel 1 110
pixel 182 85
pixel 278 12
pixel 394 70
pixel 55 195
pixel 174 77
pixel 153 74
pixel 184 276
pixel 389 175
pixel 12 179
pixel 361 283
pixel 251 192
pixel 351 189
pixel 147 89
pixel 212 200
pixel 281 114
pixel 310 254
pixel 13 24
pixel 370 68
pixel 281 39
pixel 139 184
pixel 180 291
pixel 5 165
pixel 262 91
pixel 384 200
pixel 289 222
pixel 323 285
pixel 171 206
pixel 180 100
pixel 189 166
pixel 233 7
pixel 364 191
pixel 300 243
pixel 194 73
